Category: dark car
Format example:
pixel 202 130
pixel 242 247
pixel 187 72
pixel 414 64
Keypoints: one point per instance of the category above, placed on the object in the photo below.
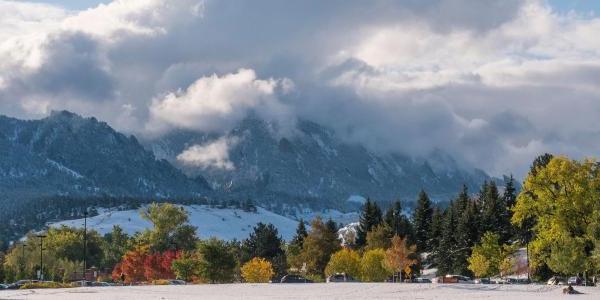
pixel 341 277
pixel 575 280
pixel 421 280
pixel 291 278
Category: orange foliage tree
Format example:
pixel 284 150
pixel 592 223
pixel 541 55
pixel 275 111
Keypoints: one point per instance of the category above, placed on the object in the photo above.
pixel 400 257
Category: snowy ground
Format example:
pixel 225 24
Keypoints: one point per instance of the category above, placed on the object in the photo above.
pixel 309 291
pixel 225 223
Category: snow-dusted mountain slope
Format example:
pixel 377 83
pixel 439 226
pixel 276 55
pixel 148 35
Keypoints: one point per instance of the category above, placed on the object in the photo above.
pixel 65 154
pixel 312 163
pixel 224 223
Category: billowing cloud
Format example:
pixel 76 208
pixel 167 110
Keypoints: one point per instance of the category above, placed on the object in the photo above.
pixel 214 154
pixel 217 104
pixel 494 83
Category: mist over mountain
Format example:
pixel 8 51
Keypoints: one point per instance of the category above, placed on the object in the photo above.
pixel 254 160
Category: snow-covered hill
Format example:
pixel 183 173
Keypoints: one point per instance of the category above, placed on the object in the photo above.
pixel 224 223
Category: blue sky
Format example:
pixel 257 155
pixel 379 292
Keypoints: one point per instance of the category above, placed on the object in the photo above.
pixel 583 6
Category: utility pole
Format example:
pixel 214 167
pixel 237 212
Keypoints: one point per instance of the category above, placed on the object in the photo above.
pixel 84 243
pixel 41 236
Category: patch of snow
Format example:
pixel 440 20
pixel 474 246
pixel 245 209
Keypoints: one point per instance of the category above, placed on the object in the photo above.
pixel 64 169
pixel 356 199
pixel 227 224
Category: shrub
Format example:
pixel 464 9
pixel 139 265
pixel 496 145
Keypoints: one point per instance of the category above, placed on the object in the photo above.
pixel 257 270
pixel 44 285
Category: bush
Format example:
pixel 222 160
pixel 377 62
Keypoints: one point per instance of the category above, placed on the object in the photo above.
pixel 161 282
pixel 44 285
pixel 315 278
pixel 257 270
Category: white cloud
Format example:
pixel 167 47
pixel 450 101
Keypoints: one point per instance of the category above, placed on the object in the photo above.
pixel 210 155
pixel 218 103
pixel 492 82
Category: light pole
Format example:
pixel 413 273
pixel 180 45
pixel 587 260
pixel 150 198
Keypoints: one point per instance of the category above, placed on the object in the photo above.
pixel 41 236
pixel 84 243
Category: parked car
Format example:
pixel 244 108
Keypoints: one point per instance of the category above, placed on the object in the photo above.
pixel 482 281
pixel 460 278
pixel 3 286
pixel 292 278
pixel 177 282
pixel 341 277
pixel 422 280
pixel 556 280
pixel 101 283
pixel 574 280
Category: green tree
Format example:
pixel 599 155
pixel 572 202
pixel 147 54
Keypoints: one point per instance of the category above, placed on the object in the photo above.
pixel 563 199
pixel 370 217
pixel 435 234
pixel 495 216
pixel 318 247
pixel 380 237
pixel 466 235
pixel 344 261
pixel 266 243
pixel 170 230
pixel 490 257
pixel 422 222
pixel 186 267
pixel 217 261
pixel 397 221
pixel 294 248
pixel 372 266
pixel 116 244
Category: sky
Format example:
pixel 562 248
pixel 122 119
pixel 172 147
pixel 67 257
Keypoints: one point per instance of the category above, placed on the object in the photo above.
pixel 493 83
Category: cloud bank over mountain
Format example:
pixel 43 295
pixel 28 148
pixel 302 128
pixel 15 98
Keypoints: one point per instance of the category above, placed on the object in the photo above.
pixel 492 82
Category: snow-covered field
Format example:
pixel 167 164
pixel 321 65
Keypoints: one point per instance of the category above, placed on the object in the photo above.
pixel 225 223
pixel 309 291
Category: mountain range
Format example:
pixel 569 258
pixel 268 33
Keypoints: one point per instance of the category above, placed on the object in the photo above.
pixel 66 154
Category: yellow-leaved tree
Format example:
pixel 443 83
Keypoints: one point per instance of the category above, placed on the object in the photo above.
pixel 372 266
pixel 257 270
pixel 344 261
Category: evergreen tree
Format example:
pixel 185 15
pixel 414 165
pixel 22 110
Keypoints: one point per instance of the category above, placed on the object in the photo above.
pixel 435 234
pixel 217 263
pixel 265 242
pixel 443 257
pixel 301 233
pixel 494 212
pixel 510 193
pixel 318 247
pixel 370 217
pixel 466 235
pixel 398 222
pixel 422 222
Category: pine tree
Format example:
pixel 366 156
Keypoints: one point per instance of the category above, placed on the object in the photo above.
pixel 398 222
pixel 443 258
pixel 422 222
pixel 265 242
pixel 435 234
pixel 495 216
pixel 301 233
pixel 466 235
pixel 370 217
